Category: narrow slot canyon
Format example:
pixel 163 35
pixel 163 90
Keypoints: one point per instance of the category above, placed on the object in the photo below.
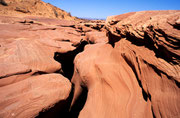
pixel 63 108
pixel 67 60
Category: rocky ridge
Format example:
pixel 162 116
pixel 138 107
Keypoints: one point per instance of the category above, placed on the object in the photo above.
pixel 33 7
pixel 125 67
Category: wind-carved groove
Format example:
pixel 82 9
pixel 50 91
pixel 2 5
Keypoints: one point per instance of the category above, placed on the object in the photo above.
pixel 147 41
pixel 160 52
pixel 18 73
pixel 62 108
pixel 67 59
pixel 132 66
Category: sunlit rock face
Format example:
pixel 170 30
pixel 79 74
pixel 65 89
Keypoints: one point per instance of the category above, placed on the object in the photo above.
pixel 33 95
pixel 59 66
pixel 35 53
pixel 33 7
pixel 138 74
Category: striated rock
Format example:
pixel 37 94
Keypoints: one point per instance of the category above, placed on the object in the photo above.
pixel 32 48
pixel 28 46
pixel 129 69
pixel 139 75
pixel 157 30
pixel 113 90
pixel 33 7
pixel 24 57
pixel 153 38
pixel 35 94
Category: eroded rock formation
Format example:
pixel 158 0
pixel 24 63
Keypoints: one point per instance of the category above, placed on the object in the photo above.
pixel 137 75
pixel 33 7
pixel 127 67
pixel 33 95
pixel 34 54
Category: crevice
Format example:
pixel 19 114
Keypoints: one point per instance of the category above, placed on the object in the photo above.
pixel 153 112
pixel 79 104
pixel 39 73
pixel 67 59
pixel 160 31
pixel 112 38
pixel 158 71
pixel 43 29
pixel 177 83
pixel 176 26
pixel 98 27
pixel 160 52
pixel 147 41
pixel 131 65
pixel 72 26
pixel 17 73
pixel 2 2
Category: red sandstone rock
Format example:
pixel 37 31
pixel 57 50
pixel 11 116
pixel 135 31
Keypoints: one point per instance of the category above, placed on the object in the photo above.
pixel 25 99
pixel 28 46
pixel 140 76
pixel 136 76
pixel 96 37
pixel 154 40
pixel 113 90
pixel 33 7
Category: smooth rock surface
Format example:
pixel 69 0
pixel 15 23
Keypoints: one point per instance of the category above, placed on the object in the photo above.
pixel 113 90
pixel 28 48
pixel 27 98
pixel 138 74
pixel 129 69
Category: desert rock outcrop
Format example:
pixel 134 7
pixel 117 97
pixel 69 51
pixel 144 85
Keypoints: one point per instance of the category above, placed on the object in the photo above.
pixel 33 7
pixel 33 95
pixel 127 67
pixel 35 51
pixel 138 74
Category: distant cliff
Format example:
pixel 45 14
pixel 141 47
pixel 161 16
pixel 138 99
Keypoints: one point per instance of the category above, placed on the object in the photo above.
pixel 32 7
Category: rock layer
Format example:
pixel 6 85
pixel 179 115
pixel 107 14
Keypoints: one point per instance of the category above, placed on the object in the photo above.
pixel 27 47
pixel 153 54
pixel 113 90
pixel 130 68
pixel 139 76
pixel 32 50
pixel 33 95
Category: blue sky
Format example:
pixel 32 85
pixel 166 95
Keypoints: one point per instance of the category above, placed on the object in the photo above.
pixel 104 8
